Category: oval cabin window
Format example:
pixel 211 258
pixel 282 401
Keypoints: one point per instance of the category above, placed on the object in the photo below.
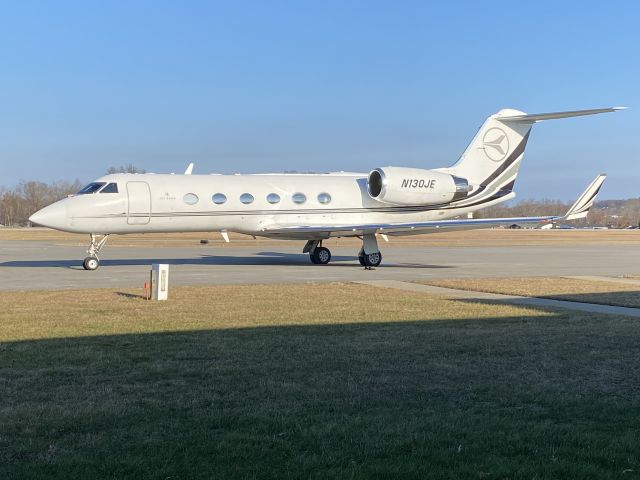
pixel 246 198
pixel 299 198
pixel 190 199
pixel 219 198
pixel 273 198
pixel 324 198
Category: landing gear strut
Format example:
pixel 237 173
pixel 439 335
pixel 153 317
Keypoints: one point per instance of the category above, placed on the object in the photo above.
pixel 318 254
pixel 92 262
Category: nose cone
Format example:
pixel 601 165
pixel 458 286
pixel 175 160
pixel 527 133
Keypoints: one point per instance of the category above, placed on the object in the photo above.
pixel 53 216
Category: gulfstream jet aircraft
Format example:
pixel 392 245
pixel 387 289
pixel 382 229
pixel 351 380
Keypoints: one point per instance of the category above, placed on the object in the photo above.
pixel 312 208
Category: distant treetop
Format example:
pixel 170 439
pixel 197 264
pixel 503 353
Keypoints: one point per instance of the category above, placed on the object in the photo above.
pixel 130 168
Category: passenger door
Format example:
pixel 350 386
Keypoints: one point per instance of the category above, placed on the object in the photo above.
pixel 139 196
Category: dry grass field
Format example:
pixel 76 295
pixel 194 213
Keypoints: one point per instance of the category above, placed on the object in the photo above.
pixel 312 381
pixel 482 237
pixel 558 288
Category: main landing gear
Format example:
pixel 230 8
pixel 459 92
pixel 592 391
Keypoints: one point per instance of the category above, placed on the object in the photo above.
pixel 318 254
pixel 92 262
pixel 370 260
pixel 369 255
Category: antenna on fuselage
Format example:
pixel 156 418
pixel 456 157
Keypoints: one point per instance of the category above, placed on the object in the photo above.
pixel 189 169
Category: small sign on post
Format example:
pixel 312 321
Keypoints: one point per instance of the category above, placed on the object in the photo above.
pixel 159 281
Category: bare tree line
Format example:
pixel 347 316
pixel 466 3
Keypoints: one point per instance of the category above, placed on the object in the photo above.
pixel 606 213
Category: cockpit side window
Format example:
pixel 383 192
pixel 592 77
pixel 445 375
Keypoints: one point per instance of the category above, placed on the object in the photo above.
pixel 92 188
pixel 110 188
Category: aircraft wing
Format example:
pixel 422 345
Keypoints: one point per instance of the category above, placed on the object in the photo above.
pixel 405 228
pixel 579 209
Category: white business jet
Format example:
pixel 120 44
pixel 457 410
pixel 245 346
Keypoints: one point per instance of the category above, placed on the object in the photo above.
pixel 314 207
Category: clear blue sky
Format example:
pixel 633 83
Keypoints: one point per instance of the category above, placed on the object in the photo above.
pixel 264 86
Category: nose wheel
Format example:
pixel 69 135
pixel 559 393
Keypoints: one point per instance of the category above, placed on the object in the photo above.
pixel 91 263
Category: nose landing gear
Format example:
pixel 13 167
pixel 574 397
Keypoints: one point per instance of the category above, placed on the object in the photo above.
pixel 92 262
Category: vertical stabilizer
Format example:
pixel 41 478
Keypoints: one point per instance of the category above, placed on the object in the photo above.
pixel 493 157
pixel 492 160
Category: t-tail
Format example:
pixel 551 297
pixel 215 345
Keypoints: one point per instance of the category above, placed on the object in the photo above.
pixel 492 160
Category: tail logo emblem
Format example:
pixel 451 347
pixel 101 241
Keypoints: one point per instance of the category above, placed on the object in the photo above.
pixel 495 144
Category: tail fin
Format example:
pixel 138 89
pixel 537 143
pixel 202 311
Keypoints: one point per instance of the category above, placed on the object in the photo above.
pixel 492 160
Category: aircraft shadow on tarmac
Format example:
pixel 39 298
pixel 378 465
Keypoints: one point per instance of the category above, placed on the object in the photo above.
pixel 261 258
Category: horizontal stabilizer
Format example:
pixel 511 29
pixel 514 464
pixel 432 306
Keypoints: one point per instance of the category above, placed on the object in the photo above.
pixel 537 117
pixel 581 207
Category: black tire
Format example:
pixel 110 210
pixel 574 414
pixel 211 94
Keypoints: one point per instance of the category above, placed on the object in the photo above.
pixel 372 259
pixel 321 256
pixel 91 263
pixel 313 258
pixel 361 260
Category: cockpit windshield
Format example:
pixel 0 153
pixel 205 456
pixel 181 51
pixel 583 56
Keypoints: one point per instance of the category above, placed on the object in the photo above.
pixel 92 188
pixel 111 188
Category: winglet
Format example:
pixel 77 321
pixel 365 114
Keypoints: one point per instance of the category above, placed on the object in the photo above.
pixel 581 207
pixel 189 169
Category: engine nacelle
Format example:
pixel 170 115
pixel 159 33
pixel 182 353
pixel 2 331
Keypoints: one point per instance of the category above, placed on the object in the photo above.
pixel 415 186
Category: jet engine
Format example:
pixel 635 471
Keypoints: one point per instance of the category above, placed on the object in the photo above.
pixel 415 186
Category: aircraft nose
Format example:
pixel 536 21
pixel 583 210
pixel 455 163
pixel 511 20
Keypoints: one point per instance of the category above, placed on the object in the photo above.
pixel 53 216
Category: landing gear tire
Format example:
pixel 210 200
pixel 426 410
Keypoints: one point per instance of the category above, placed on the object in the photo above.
pixel 320 256
pixel 91 263
pixel 372 259
pixel 361 260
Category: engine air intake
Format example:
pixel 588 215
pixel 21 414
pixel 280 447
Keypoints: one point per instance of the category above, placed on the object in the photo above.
pixel 375 184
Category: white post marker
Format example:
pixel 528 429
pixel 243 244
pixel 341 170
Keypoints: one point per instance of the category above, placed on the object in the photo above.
pixel 159 281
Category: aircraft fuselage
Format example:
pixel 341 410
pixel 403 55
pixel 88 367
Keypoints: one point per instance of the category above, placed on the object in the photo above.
pixel 251 204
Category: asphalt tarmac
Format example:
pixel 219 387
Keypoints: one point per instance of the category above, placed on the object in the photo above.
pixel 33 265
